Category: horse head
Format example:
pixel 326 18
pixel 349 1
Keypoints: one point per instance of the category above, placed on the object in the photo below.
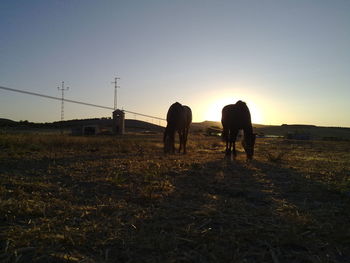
pixel 248 144
pixel 169 141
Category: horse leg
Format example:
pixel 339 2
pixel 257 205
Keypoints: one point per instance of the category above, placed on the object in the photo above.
pixel 181 140
pixel 185 139
pixel 233 137
pixel 228 148
pixel 173 143
pixel 228 143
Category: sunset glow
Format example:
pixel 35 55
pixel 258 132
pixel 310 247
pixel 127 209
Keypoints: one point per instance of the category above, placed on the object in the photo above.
pixel 214 108
pixel 288 60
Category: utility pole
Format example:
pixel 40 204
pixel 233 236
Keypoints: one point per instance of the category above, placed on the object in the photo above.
pixel 63 89
pixel 115 82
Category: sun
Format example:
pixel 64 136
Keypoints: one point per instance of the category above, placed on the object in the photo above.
pixel 214 108
pixel 213 111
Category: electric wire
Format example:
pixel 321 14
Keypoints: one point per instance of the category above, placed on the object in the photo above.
pixel 76 102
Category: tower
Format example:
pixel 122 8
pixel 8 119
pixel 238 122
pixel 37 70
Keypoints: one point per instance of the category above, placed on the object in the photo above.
pixel 119 122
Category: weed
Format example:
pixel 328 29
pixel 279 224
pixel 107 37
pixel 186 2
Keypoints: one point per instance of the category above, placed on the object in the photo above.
pixel 96 199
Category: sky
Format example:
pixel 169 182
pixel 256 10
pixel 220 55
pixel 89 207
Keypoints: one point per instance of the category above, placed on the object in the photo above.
pixel 288 60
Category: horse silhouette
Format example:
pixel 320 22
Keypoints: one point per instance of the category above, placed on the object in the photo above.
pixel 179 118
pixel 236 117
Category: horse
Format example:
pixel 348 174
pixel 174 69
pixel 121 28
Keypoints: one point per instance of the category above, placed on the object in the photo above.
pixel 179 118
pixel 236 117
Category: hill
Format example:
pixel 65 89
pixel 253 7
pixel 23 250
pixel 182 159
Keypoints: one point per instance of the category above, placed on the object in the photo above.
pixel 130 125
pixel 296 131
pixel 311 131
pixel 285 130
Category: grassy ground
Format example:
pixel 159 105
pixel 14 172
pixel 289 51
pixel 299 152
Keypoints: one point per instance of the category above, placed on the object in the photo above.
pixel 119 199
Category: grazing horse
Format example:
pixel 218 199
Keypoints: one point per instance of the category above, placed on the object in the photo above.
pixel 236 117
pixel 179 118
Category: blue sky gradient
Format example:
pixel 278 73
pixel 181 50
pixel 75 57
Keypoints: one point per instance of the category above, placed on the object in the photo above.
pixel 289 60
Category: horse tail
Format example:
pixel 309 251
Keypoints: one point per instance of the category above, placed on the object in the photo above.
pixel 224 135
pixel 225 121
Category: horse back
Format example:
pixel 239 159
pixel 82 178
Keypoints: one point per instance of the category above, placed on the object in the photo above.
pixel 187 115
pixel 179 116
pixel 236 116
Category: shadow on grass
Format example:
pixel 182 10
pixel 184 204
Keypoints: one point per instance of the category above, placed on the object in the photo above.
pixel 213 211
pixel 236 212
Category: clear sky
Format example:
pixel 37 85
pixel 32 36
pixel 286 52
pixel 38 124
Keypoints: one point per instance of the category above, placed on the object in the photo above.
pixel 289 60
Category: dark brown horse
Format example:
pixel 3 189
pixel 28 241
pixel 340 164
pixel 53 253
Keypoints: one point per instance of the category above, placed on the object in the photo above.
pixel 236 117
pixel 179 118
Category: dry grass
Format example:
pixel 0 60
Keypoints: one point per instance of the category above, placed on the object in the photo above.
pixel 119 199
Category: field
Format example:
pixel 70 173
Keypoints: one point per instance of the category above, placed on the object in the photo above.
pixel 120 199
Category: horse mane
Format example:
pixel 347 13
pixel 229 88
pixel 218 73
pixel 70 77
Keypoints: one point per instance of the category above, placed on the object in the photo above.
pixel 174 111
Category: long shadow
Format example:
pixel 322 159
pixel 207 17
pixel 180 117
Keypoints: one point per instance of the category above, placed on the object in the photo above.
pixel 216 211
pixel 320 213
pixel 209 217
pixel 224 211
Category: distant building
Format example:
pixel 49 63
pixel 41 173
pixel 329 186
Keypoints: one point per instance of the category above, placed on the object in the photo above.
pixel 92 127
pixel 108 126
pixel 118 122
pixel 101 126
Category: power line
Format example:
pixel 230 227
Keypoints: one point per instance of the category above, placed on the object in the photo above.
pixel 55 98
pixel 77 102
pixel 144 115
